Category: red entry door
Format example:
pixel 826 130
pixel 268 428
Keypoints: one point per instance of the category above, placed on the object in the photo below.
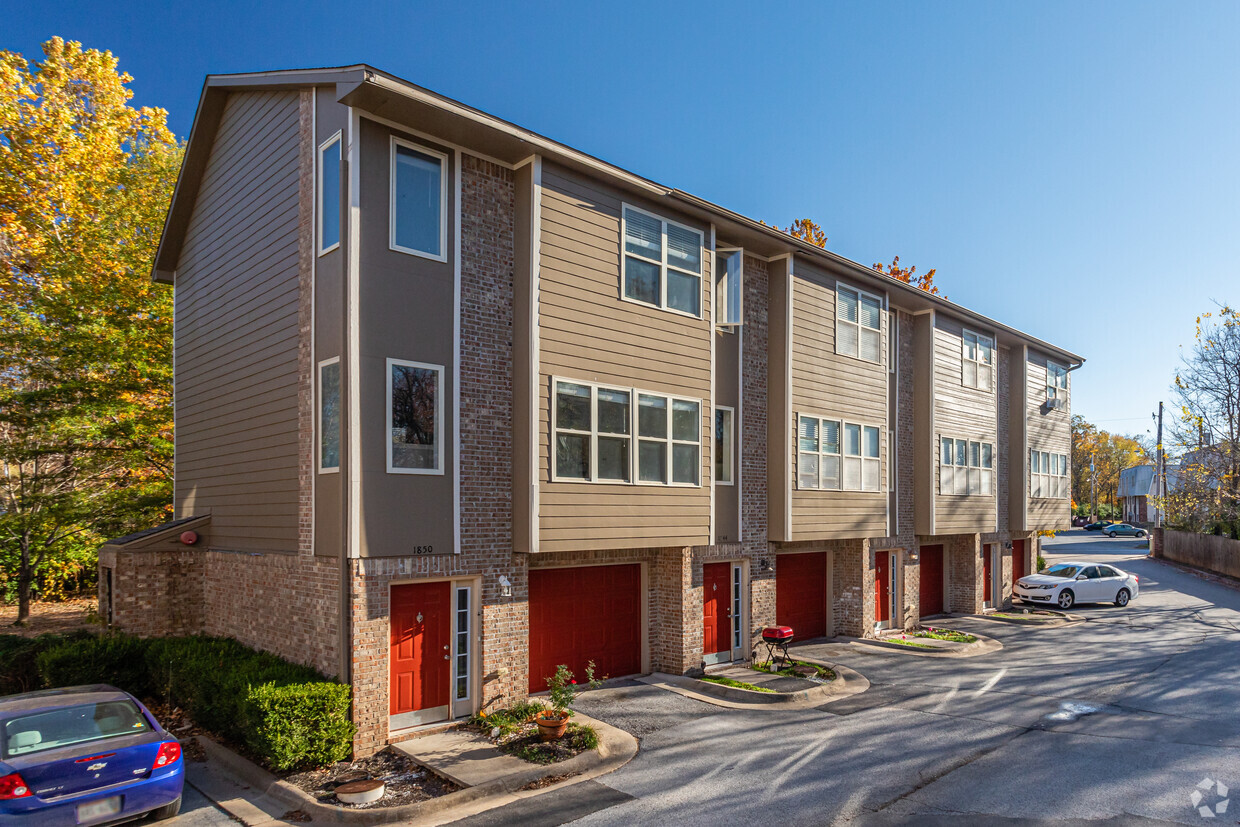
pixel 930 588
pixel 801 594
pixel 716 608
pixel 882 586
pixel 987 573
pixel 1018 560
pixel 421 621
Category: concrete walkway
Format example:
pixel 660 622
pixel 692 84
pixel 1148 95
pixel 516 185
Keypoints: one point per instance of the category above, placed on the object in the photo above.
pixel 463 756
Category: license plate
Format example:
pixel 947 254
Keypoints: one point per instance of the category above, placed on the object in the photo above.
pixel 96 810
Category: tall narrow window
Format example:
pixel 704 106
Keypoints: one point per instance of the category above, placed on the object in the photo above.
pixel 852 457
pixel 977 361
pixel 462 643
pixel 871 465
pixel 613 435
pixel 662 262
pixel 573 428
pixel 329 415
pixel 329 195
pixel 724 440
pixel 415 418
pixel 1056 382
pixel 729 307
pixel 686 441
pixel 858 324
pixel 419 200
pixel 651 438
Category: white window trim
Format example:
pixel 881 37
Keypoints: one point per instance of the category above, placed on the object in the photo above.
pixel 632 435
pixel 338 137
pixel 994 379
pixel 843 423
pixel 443 199
pixel 663 265
pixel 992 470
pixel 318 416
pixel 1060 393
pixel 440 430
pixel 1066 477
pixel 728 327
pixel 882 315
pixel 731 480
pixel 456 652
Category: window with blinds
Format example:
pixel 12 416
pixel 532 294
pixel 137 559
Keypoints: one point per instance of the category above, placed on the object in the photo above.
pixel 662 262
pixel 834 455
pixel 858 324
pixel 966 467
pixel 1048 475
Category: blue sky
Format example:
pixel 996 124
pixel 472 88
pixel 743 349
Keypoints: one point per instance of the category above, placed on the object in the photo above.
pixel 1072 169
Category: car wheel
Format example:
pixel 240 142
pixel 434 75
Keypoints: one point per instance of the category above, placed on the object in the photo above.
pixel 1140 534
pixel 1121 599
pixel 1066 599
pixel 1110 533
pixel 167 811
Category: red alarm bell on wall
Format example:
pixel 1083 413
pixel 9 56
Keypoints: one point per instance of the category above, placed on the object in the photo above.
pixel 189 537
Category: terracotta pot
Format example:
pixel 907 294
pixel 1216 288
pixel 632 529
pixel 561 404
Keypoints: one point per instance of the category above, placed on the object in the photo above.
pixel 550 725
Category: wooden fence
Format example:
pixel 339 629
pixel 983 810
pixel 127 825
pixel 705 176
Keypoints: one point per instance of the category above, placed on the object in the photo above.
pixel 1203 551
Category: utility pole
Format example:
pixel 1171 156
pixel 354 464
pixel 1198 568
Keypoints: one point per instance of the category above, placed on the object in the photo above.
pixel 1093 489
pixel 1160 471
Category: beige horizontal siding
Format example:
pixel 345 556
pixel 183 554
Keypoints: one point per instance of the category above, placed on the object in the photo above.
pixel 1047 515
pixel 1049 431
pixel 588 333
pixel 236 331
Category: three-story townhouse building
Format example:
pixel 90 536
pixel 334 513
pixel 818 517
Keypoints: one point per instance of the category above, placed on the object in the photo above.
pixel 456 404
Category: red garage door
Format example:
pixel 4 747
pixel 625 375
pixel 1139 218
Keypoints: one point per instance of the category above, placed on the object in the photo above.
pixel 583 614
pixel 801 594
pixel 931 591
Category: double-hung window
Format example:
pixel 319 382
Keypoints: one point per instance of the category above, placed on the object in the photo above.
pixel 419 200
pixel 833 455
pixel 724 442
pixel 594 429
pixel 858 324
pixel 329 195
pixel 662 262
pixel 966 467
pixel 415 424
pixel 1056 382
pixel 977 361
pixel 1048 475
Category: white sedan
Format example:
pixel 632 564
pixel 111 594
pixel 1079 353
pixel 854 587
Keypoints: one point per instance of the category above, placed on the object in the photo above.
pixel 1066 584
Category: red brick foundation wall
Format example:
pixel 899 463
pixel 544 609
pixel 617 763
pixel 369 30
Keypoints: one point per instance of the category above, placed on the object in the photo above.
pixel 155 593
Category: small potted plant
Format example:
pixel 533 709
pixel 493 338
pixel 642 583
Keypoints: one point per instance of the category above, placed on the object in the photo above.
pixel 563 691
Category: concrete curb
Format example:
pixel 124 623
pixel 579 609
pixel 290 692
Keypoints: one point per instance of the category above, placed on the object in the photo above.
pixel 616 748
pixel 847 682
pixel 982 646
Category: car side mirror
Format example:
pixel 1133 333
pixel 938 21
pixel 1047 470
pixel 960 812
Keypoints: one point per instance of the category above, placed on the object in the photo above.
pixel 1081 577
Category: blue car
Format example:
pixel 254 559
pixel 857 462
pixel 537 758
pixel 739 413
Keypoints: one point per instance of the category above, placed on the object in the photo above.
pixel 85 755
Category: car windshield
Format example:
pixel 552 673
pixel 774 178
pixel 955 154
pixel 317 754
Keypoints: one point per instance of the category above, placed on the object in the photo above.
pixel 71 725
pixel 1062 570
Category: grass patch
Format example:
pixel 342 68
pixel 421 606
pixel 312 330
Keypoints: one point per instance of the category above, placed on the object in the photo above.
pixel 735 683
pixel 905 642
pixel 949 635
pixel 823 673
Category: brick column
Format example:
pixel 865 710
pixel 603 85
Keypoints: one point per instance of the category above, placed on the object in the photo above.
pixel 964 570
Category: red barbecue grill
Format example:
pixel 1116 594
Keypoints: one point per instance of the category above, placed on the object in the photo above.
pixel 777 637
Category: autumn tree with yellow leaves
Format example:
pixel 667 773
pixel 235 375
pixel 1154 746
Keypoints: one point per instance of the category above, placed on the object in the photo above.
pixel 808 231
pixel 85 336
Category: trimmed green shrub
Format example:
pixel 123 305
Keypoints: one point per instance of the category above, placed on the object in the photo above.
pixel 19 668
pixel 117 660
pixel 289 715
pixel 300 725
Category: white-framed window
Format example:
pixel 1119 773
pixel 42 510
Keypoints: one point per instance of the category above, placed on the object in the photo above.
pixel 460 648
pixel 418 209
pixel 415 425
pixel 977 361
pixel 593 428
pixel 858 324
pixel 661 262
pixel 1056 381
pixel 328 195
pixel 725 436
pixel 966 467
pixel 329 415
pixel 729 288
pixel 1048 475
pixel 836 455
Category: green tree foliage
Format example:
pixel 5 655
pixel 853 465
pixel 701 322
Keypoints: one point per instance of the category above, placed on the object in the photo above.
pixel 85 337
pixel 1110 453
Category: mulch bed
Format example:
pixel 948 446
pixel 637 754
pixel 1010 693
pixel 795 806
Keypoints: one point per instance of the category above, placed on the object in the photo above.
pixel 406 781
pixel 523 743
pixel 52 618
